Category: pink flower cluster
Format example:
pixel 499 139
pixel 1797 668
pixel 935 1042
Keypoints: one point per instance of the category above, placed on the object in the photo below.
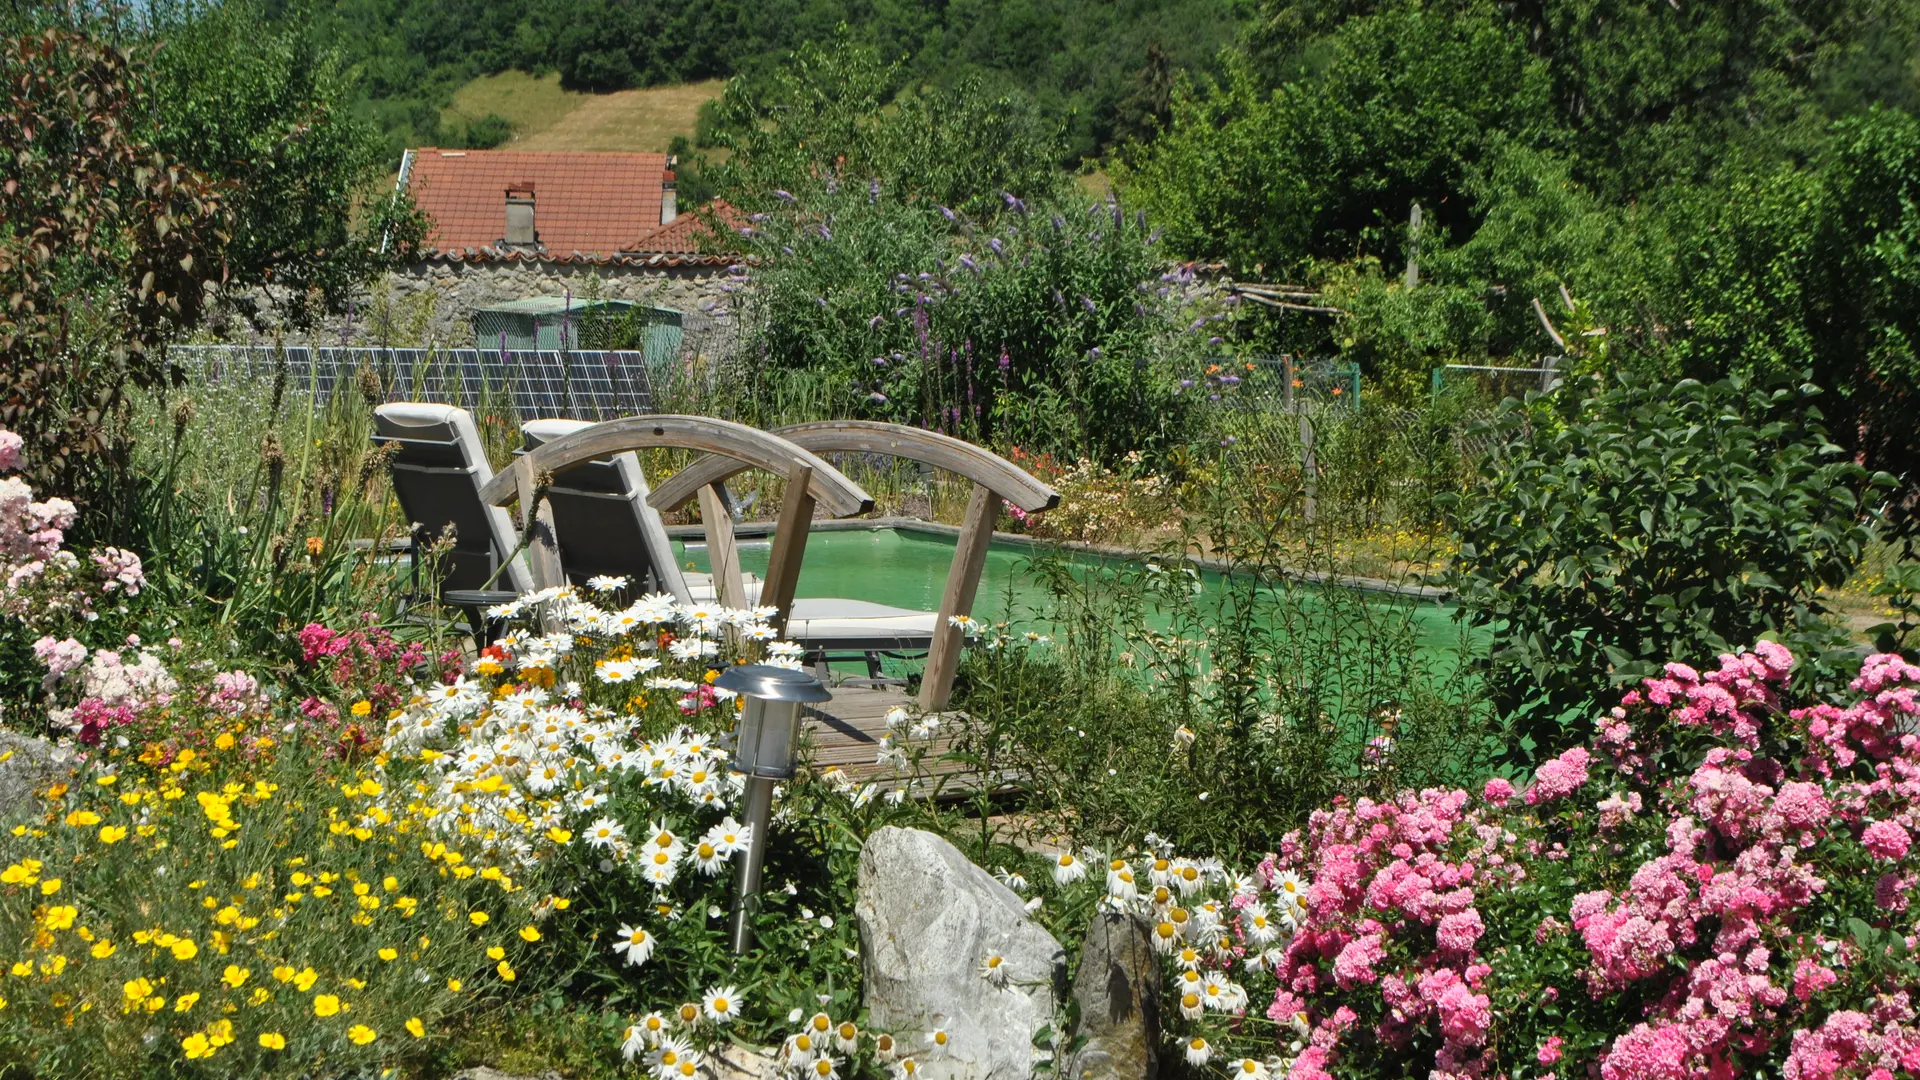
pixel 1706 959
pixel 364 662
pixel 1390 878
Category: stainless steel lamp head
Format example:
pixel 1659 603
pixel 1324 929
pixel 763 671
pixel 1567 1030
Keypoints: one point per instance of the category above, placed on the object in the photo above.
pixel 770 724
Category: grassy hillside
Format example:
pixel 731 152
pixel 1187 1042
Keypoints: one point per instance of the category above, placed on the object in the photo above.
pixel 546 116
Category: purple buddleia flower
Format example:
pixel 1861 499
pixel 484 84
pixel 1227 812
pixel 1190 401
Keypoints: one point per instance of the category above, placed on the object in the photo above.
pixel 1093 353
pixel 967 261
pixel 787 195
pixel 825 233
pixel 1058 299
pixel 877 398
pixel 1186 384
pixel 873 189
pixel 1215 340
pixel 1006 361
pixel 821 300
pixel 1153 237
pixel 1092 308
pixel 998 248
pixel 946 213
pixel 874 323
pixel 1059 223
pixel 879 361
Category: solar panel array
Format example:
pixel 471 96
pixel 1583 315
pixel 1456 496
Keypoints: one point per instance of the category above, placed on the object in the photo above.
pixel 574 384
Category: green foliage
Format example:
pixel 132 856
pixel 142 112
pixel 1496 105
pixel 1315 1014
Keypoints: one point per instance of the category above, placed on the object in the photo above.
pixel 108 245
pixel 1099 69
pixel 1401 108
pixel 1049 327
pixel 264 107
pixel 1240 703
pixel 838 110
pixel 1650 520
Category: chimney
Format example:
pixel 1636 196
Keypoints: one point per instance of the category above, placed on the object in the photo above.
pixel 520 230
pixel 669 202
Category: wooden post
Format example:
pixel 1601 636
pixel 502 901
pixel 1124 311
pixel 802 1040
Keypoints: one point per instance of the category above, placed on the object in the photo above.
pixel 969 559
pixel 1414 222
pixel 1309 466
pixel 789 545
pixel 723 554
pixel 543 549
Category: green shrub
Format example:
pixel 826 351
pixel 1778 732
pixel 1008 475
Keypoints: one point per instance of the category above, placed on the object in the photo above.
pixel 1056 328
pixel 1620 526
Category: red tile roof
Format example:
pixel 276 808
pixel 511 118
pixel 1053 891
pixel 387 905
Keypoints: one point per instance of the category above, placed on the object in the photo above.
pixel 588 204
pixel 684 234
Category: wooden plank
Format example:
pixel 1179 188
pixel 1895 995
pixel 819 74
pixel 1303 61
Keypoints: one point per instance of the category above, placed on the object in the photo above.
pixel 543 549
pixel 980 465
pixel 789 546
pixel 963 580
pixel 723 552
pixel 756 448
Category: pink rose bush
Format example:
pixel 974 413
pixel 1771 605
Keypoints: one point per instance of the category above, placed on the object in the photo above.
pixel 1719 885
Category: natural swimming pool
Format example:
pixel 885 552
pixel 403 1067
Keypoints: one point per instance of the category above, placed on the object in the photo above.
pixel 908 568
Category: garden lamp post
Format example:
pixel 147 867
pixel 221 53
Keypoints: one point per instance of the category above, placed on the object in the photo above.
pixel 763 750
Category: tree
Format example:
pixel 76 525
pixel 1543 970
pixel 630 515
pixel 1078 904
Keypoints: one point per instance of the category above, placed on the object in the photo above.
pixel 1403 106
pixel 839 111
pixel 108 246
pixel 264 108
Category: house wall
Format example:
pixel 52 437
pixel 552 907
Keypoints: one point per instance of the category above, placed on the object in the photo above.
pixel 432 302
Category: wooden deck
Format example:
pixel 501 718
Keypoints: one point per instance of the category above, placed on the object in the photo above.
pixel 845 733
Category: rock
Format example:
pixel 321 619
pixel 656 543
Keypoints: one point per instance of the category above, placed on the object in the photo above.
pixel 929 920
pixel 29 767
pixel 732 1062
pixel 1117 990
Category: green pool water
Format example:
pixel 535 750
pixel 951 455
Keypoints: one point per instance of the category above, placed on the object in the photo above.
pixel 909 569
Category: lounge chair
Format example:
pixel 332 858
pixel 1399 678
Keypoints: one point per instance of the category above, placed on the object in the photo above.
pixel 604 526
pixel 810 480
pixel 995 479
pixel 439 467
pixel 603 523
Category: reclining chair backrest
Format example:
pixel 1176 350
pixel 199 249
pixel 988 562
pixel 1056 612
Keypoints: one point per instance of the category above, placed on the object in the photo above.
pixel 438 470
pixel 602 520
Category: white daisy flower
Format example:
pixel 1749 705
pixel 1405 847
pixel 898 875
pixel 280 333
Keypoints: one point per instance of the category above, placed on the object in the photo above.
pixel 636 945
pixel 606 583
pixel 721 1004
pixel 616 671
pixel 605 833
pixel 1067 869
pixel 994 970
pixel 1198 1051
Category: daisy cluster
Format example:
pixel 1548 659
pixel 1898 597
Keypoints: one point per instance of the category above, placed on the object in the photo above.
pixel 1212 927
pixel 526 761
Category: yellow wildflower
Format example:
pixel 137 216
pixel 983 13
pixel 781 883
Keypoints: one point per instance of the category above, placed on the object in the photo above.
pixel 235 976
pixel 416 1029
pixel 197 1046
pixel 326 1005
pixel 112 834
pixel 272 1040
pixel 361 1034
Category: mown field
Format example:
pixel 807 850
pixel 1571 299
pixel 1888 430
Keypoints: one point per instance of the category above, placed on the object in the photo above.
pixel 546 117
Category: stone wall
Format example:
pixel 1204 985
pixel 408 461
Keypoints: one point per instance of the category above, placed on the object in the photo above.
pixel 432 302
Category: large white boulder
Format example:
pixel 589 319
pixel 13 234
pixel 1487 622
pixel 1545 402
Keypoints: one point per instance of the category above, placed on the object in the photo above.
pixel 929 923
